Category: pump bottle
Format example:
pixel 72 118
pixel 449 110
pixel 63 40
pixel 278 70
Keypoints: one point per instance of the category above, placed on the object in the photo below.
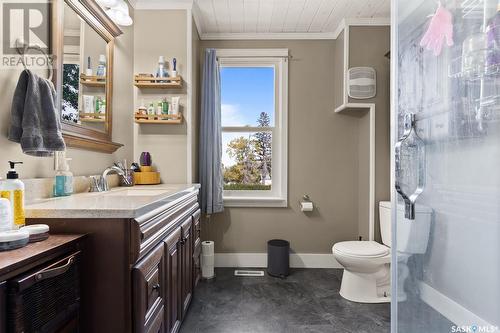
pixel 12 189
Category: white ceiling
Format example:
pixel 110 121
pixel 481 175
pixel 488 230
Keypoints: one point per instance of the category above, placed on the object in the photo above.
pixel 294 19
pixel 283 16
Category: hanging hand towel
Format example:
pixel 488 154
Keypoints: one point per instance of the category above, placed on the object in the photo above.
pixel 35 122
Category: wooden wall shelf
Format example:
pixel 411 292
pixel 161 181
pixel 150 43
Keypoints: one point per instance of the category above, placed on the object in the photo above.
pixel 145 82
pixel 91 117
pixel 92 80
pixel 161 119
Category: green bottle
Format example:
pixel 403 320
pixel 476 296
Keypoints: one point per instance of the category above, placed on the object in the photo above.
pixel 164 105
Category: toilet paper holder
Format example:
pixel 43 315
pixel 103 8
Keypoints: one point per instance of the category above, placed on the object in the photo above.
pixel 306 199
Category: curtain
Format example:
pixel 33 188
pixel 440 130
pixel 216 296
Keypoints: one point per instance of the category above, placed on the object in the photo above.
pixel 211 137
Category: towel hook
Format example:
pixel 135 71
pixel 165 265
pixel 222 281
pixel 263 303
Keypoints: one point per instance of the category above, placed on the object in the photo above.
pixel 23 47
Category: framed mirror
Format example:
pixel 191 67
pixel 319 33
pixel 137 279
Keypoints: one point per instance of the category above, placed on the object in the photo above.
pixel 84 61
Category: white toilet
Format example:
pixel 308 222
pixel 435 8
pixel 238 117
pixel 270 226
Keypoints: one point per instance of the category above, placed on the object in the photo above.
pixel 367 272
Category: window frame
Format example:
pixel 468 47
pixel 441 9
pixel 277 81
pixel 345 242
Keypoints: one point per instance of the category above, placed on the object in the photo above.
pixel 278 59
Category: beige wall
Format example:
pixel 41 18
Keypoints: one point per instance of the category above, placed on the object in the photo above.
pixel 162 32
pixel 84 162
pixel 367 47
pixel 322 163
pixel 195 99
pixel 328 154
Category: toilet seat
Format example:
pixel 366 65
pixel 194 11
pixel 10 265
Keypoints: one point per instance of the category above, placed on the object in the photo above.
pixel 364 249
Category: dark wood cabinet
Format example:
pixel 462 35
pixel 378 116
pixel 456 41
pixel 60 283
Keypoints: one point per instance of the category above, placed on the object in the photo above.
pixel 172 281
pixel 187 264
pixel 148 289
pixel 197 248
pixel 138 274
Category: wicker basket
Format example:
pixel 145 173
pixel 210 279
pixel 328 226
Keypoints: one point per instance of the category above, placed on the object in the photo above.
pixel 46 299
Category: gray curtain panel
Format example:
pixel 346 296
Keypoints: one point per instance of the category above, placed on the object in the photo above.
pixel 211 137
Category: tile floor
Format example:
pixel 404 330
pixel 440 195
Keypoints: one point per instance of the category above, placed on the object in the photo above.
pixel 307 301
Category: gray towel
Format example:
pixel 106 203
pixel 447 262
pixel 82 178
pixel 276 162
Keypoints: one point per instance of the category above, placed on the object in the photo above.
pixel 35 122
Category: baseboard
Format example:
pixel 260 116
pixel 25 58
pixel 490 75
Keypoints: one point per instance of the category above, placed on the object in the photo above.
pixel 297 260
pixel 455 312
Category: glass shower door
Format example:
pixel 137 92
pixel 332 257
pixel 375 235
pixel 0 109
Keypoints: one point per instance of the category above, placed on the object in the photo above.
pixel 446 166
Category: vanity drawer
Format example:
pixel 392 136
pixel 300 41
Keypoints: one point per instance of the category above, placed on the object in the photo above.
pixel 150 229
pixel 148 277
pixel 152 226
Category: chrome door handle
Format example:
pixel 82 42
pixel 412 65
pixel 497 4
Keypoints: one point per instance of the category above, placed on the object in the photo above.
pixel 410 141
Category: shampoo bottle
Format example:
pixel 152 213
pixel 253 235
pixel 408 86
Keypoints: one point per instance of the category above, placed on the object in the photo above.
pixel 12 189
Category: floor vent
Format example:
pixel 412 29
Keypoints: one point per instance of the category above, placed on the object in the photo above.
pixel 239 272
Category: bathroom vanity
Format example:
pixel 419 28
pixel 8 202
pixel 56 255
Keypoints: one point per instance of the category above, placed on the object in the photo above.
pixel 141 262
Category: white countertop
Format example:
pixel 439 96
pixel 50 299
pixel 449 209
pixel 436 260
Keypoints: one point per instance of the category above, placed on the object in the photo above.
pixel 119 202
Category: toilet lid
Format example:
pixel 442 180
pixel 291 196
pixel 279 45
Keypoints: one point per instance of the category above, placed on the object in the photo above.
pixel 361 248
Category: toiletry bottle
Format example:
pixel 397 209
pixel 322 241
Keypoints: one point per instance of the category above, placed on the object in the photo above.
pixel 68 177
pixel 102 109
pixel 143 109
pixel 12 189
pixel 5 215
pixel 159 108
pixel 101 68
pixel 63 185
pixel 164 106
pixel 162 71
pixel 88 71
pixel 174 69
pixel 151 109
pixel 98 105
pixel 174 106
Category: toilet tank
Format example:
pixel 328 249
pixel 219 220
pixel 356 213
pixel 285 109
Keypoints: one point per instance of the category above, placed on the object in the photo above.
pixel 413 235
pixel 384 212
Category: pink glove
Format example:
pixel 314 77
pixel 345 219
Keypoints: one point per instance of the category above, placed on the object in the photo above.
pixel 441 27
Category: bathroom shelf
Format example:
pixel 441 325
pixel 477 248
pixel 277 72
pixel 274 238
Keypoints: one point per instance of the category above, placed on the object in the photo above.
pixel 156 82
pixel 162 119
pixel 92 80
pixel 91 117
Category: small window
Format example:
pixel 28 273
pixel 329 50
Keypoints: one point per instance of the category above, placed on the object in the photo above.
pixel 253 98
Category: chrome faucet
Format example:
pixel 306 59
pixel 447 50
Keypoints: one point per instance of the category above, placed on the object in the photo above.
pixel 101 184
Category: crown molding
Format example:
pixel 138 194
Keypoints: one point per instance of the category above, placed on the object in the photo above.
pixel 267 36
pixel 361 21
pixel 162 4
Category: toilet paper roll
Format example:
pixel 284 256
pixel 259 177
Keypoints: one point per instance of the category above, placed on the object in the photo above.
pixel 207 247
pixel 207 260
pixel 207 272
pixel 306 206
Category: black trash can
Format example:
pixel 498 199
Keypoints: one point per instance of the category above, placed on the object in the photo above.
pixel 278 258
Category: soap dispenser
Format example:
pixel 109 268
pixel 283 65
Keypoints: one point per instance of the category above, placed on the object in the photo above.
pixel 63 185
pixel 12 189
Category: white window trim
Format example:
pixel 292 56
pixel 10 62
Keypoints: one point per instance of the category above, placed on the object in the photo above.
pixel 278 58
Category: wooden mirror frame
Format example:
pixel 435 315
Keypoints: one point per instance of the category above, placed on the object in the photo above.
pixel 76 135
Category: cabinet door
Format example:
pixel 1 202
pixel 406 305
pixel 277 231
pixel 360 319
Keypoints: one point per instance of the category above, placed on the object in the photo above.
pixel 3 307
pixel 196 249
pixel 187 264
pixel 148 290
pixel 172 281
